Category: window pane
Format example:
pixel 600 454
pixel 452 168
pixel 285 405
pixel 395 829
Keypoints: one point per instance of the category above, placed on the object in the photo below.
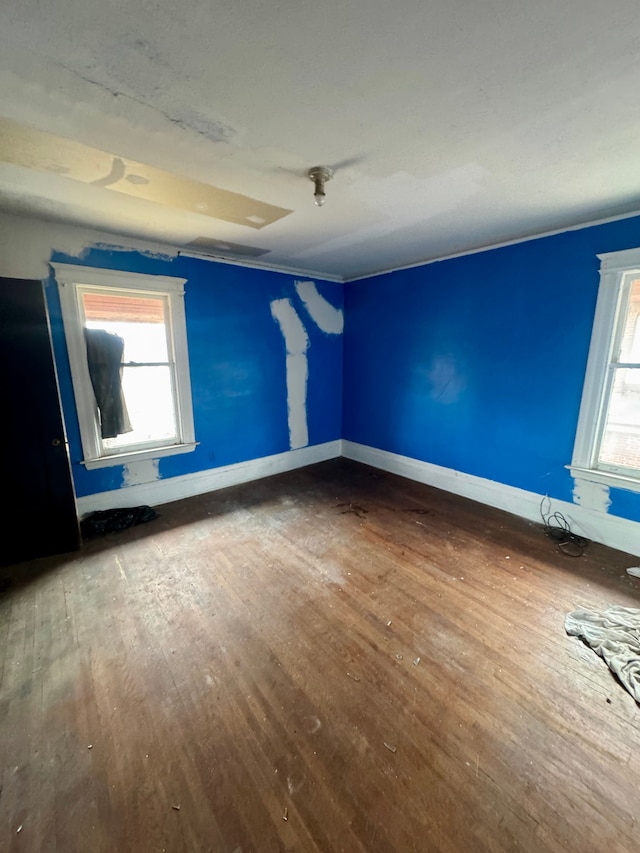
pixel 621 437
pixel 148 393
pixel 630 348
pixel 143 342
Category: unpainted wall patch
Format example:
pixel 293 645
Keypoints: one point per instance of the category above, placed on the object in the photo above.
pixel 326 316
pixel 296 343
pixel 330 320
pixel 140 471
pixel 591 495
pixel 27 246
pixel 138 249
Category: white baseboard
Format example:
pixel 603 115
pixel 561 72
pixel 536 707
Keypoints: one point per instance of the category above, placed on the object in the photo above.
pixel 175 488
pixel 598 526
pixel 601 527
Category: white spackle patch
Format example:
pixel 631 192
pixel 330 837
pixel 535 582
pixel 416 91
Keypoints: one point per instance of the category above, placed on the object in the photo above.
pixel 297 376
pixel 591 495
pixel 140 471
pixel 296 342
pixel 295 336
pixel 326 316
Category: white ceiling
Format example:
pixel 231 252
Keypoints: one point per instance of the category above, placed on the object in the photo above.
pixel 451 124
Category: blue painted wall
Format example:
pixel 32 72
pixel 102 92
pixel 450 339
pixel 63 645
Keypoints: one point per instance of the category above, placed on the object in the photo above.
pixel 477 363
pixel 237 364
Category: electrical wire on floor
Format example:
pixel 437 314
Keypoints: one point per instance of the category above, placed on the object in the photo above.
pixel 557 527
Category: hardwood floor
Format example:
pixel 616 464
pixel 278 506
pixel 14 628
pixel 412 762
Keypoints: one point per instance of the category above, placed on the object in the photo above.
pixel 334 659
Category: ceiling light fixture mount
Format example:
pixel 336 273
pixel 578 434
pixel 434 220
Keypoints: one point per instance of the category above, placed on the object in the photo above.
pixel 319 175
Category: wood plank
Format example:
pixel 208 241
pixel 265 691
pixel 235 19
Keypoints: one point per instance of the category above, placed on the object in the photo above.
pixel 334 659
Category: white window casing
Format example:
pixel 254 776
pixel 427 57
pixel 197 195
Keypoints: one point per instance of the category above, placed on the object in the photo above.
pixel 72 282
pixel 617 270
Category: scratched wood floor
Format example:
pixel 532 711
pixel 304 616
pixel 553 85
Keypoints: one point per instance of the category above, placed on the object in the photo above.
pixel 334 659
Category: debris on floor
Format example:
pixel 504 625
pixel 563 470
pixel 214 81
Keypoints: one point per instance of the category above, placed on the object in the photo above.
pixel 390 747
pixel 355 509
pixel 106 521
pixel 634 571
pixel 354 677
pixel 557 527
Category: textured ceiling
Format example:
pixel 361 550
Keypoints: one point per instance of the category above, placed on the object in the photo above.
pixel 450 125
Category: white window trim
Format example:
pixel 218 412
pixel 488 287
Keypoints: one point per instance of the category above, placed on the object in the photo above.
pixel 614 267
pixel 69 276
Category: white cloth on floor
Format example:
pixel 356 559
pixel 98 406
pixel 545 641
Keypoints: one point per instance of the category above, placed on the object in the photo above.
pixel 614 634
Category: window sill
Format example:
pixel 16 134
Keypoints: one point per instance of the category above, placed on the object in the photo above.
pixel 607 478
pixel 133 456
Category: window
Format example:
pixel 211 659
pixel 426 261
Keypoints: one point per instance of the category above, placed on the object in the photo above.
pixel 127 342
pixel 607 447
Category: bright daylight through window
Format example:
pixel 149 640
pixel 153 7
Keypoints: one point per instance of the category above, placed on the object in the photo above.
pixel 126 336
pixel 608 439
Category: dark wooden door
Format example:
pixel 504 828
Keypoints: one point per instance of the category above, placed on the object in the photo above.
pixel 38 515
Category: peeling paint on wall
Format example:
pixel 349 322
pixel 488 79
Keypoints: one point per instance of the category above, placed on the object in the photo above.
pixel 140 471
pixel 328 318
pixel 26 246
pixel 591 495
pixel 296 342
pixel 147 253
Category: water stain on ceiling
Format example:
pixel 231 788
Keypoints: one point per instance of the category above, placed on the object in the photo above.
pixel 26 146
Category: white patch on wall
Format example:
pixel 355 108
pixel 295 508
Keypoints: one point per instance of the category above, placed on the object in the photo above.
pixel 591 495
pixel 296 342
pixel 445 380
pixel 330 320
pixel 327 317
pixel 140 471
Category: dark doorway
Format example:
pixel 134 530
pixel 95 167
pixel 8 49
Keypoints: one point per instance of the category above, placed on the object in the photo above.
pixel 39 513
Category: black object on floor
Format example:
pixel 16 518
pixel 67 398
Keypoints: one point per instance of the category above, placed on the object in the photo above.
pixel 111 520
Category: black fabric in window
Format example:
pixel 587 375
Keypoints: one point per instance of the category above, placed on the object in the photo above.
pixel 104 357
